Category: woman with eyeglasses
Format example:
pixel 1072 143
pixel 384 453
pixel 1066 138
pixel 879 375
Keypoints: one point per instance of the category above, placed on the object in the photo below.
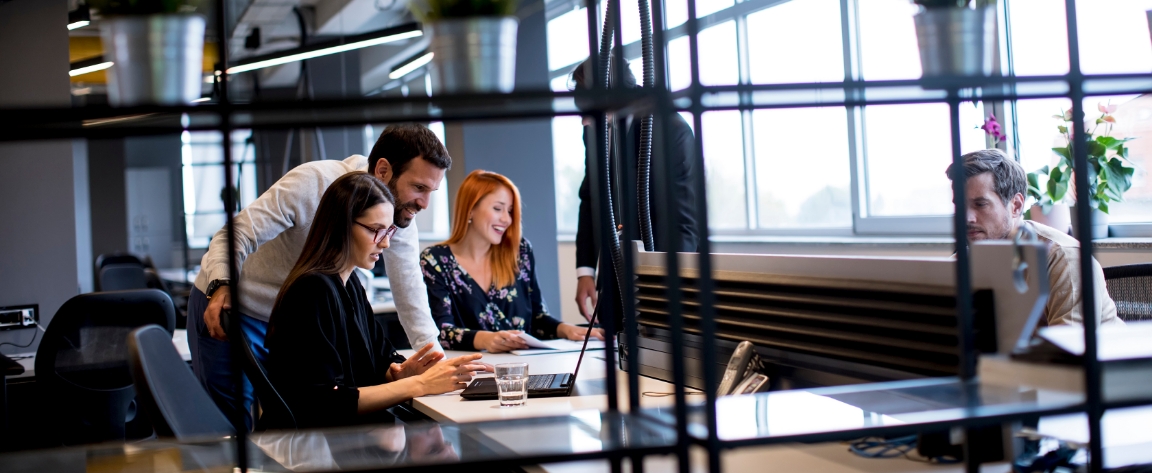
pixel 482 282
pixel 327 356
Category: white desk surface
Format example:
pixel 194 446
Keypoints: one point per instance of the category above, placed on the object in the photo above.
pixel 28 360
pixel 588 393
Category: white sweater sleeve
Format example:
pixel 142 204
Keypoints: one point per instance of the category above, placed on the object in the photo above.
pixel 402 263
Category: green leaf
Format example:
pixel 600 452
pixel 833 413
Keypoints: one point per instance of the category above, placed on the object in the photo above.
pixel 1096 149
pixel 1119 176
pixel 1103 206
pixel 1057 185
pixel 1065 152
pixel 1063 129
pixel 1110 142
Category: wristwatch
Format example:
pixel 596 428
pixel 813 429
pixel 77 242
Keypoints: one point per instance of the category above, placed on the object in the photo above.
pixel 214 285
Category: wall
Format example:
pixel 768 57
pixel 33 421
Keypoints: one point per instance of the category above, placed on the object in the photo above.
pixel 42 182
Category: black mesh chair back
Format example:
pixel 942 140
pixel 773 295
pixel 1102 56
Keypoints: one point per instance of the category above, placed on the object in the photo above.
pixel 117 258
pixel 276 413
pixel 121 277
pixel 175 401
pixel 1131 288
pixel 82 361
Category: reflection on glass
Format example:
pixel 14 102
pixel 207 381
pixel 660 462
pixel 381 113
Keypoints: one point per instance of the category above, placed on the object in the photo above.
pixel 802 168
pixel 791 412
pixel 909 148
pixel 774 57
pixel 724 169
pixel 888 47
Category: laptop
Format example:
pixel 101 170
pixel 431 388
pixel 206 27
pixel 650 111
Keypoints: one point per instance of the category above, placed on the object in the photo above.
pixel 539 385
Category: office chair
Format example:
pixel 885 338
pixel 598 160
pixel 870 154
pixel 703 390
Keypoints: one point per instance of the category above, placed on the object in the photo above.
pixel 82 362
pixel 121 277
pixel 175 401
pixel 117 258
pixel 275 412
pixel 1131 288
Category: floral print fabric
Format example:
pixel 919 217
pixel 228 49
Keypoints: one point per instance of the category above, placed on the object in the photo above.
pixel 460 306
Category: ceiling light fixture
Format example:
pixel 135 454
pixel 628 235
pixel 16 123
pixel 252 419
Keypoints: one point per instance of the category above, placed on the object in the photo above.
pixel 92 68
pixel 79 18
pixel 374 38
pixel 407 67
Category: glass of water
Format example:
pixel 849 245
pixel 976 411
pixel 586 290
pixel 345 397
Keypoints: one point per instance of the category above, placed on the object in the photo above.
pixel 512 383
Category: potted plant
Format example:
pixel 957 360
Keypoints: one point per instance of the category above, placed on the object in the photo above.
pixel 954 39
pixel 473 44
pixel 156 47
pixel 1110 178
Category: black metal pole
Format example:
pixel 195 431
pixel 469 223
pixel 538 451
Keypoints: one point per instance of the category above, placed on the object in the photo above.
pixel 967 348
pixel 234 338
pixel 1092 370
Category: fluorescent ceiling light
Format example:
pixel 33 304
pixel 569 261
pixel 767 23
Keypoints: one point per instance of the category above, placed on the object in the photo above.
pixel 78 24
pixel 87 69
pixel 202 99
pixel 324 52
pixel 410 66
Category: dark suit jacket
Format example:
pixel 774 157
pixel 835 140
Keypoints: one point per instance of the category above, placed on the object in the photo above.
pixel 682 196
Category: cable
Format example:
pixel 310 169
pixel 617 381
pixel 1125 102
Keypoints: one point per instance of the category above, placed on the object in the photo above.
pixel 662 394
pixel 30 342
pixel 644 167
pixel 880 447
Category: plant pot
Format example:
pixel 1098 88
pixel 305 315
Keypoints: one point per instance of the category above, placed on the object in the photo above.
pixel 1099 223
pixel 956 41
pixel 1058 217
pixel 473 55
pixel 158 59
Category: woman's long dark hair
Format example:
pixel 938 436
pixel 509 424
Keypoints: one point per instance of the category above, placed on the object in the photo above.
pixel 329 242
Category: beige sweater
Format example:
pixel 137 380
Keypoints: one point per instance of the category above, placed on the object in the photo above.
pixel 1064 301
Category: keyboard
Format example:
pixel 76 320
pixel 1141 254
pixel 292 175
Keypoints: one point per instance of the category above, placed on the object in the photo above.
pixel 540 381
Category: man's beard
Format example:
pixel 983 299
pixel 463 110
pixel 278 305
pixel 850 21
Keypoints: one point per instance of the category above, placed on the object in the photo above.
pixel 399 219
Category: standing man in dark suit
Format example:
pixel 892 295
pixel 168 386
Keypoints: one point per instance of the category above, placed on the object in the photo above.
pixel 682 196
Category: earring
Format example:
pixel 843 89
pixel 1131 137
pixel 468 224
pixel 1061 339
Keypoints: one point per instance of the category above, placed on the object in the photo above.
pixel 469 221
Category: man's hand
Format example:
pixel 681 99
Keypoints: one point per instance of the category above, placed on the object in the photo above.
pixel 416 364
pixel 586 289
pixel 221 299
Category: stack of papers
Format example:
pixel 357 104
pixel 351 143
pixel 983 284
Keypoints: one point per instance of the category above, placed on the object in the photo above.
pixel 539 347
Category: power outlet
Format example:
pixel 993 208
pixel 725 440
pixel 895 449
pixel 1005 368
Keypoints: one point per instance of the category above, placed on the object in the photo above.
pixel 17 317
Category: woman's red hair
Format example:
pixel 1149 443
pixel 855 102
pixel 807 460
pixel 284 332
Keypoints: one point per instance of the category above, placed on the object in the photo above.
pixel 502 258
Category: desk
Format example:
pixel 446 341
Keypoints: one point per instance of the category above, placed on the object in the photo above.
pixel 28 360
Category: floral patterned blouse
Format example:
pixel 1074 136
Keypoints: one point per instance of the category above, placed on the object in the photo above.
pixel 461 307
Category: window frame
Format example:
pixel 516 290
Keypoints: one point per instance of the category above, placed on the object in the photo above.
pixel 863 224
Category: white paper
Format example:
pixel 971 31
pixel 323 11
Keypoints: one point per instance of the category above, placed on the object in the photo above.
pixel 538 346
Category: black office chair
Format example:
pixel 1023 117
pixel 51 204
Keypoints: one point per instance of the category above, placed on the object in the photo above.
pixel 122 277
pixel 117 258
pixel 1131 289
pixel 175 401
pixel 275 412
pixel 82 362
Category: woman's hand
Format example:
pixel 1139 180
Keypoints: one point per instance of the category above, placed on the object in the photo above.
pixel 572 332
pixel 450 375
pixel 499 342
pixel 416 364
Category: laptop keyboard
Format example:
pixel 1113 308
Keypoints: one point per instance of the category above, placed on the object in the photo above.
pixel 542 381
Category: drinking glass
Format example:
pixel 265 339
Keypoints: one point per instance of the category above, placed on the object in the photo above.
pixel 512 383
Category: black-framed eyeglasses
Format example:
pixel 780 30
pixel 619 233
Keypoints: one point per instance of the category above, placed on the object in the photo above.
pixel 379 234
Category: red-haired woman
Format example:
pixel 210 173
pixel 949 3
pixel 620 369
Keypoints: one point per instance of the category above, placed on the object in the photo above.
pixel 482 281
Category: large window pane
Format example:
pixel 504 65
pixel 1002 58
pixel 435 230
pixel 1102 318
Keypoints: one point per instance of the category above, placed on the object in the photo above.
pixel 724 170
pixel 888 40
pixel 679 74
pixel 708 7
pixel 567 39
pixel 1133 115
pixel 772 34
pixel 1114 36
pixel 909 149
pixel 1039 37
pixel 802 168
pixel 568 163
pixel 719 63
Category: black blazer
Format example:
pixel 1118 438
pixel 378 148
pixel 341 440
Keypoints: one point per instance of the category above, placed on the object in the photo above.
pixel 683 193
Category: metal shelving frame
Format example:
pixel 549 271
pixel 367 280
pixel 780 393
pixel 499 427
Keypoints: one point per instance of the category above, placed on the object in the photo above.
pixel 226 115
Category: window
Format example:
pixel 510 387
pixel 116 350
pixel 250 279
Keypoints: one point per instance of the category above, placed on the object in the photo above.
pixel 203 173
pixel 864 170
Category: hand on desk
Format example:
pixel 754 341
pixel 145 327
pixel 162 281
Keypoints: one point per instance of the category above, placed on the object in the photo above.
pixel 450 375
pixel 416 364
pixel 572 332
pixel 499 342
